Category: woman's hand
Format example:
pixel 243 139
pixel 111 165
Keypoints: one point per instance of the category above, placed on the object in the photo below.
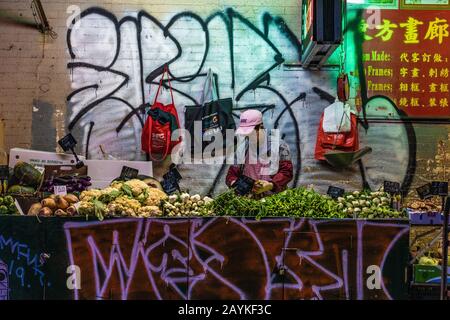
pixel 262 186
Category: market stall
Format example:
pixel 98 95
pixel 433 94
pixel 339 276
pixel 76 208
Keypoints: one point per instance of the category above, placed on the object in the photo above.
pixel 61 238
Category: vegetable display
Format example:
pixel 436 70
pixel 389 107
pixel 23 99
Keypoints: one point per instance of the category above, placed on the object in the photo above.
pixel 299 202
pixel 7 205
pixel 428 205
pixel 73 183
pixel 133 198
pixel 187 205
pixel 370 205
pixel 55 205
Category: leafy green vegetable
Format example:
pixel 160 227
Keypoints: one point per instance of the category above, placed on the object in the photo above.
pixel 127 190
pixel 299 202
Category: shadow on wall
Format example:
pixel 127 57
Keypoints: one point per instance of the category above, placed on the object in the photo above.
pixel 43 131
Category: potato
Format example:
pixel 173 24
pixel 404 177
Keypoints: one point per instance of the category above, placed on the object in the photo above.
pixel 46 212
pixel 61 203
pixel 71 198
pixel 34 209
pixel 49 203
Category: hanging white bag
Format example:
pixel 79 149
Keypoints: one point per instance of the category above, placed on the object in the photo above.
pixel 336 118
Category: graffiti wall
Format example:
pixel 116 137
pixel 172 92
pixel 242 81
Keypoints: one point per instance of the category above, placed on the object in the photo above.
pixel 116 62
pixel 208 258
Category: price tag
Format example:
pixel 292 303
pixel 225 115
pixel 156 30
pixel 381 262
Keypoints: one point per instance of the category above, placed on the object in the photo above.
pixel 60 190
pixel 19 208
pixel 439 188
pixel 68 142
pixel 335 192
pixel 128 173
pixel 391 187
pixel 170 186
pixel 424 191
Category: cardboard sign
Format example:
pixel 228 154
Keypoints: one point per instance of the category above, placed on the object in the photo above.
pixel 128 173
pixel 439 188
pixel 391 187
pixel 60 190
pixel 424 191
pixel 335 192
pixel 39 159
pixel 103 172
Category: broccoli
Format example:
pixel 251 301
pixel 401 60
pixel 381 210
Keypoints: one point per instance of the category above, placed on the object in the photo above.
pixel 8 200
pixel 3 209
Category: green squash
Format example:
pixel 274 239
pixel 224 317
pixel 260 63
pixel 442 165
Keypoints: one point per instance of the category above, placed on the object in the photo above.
pixel 27 174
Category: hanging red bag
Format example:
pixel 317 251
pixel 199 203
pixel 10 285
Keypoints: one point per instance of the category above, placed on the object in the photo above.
pixel 342 141
pixel 162 120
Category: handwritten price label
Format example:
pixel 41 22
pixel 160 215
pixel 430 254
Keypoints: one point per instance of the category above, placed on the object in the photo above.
pixel 60 190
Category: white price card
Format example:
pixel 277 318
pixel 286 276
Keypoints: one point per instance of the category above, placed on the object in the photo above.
pixel 19 208
pixel 60 190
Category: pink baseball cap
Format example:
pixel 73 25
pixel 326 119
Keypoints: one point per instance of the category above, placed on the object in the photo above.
pixel 248 121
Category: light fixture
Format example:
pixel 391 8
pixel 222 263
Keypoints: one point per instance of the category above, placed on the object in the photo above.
pixel 41 19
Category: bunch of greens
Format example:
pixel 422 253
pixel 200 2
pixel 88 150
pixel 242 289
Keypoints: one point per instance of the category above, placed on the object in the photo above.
pixel 299 202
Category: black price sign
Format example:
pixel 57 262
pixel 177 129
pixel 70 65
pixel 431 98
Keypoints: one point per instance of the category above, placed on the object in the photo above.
pixel 128 173
pixel 68 142
pixel 424 191
pixel 171 179
pixel 392 187
pixel 170 186
pixel 243 185
pixel 335 192
pixel 439 188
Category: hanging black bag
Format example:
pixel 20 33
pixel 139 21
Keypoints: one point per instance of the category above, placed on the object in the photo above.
pixel 214 114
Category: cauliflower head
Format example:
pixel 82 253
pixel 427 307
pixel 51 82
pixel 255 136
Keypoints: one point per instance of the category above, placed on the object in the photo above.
pixel 89 195
pixel 137 186
pixel 155 196
pixel 126 205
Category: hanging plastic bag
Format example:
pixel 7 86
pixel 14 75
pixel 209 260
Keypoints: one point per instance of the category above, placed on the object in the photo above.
pixel 342 141
pixel 336 118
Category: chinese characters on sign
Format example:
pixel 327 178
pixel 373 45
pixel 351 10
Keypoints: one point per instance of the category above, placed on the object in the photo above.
pixel 406 58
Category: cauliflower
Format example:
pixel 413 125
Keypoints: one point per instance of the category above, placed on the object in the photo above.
pixel 137 186
pixel 86 208
pixel 117 184
pixel 109 194
pixel 89 195
pixel 149 211
pixel 155 196
pixel 124 205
